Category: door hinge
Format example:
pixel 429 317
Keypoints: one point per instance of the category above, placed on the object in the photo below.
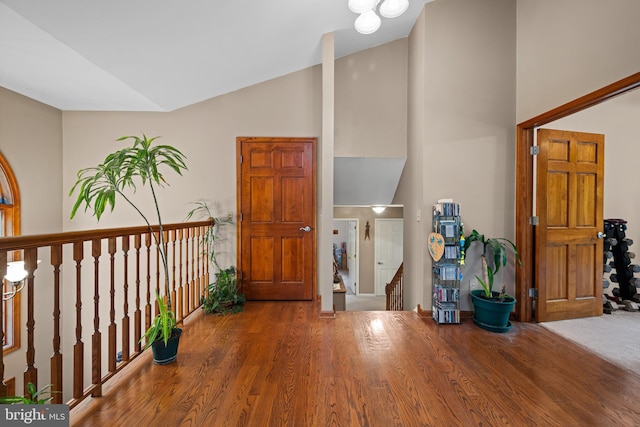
pixel 534 220
pixel 240 216
pixel 533 293
pixel 240 159
pixel 534 150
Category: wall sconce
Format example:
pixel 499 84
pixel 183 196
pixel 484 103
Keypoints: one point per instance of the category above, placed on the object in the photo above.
pixel 368 22
pixel 16 275
pixel 378 209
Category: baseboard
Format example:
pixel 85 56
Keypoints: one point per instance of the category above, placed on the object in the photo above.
pixel 426 314
pixel 328 314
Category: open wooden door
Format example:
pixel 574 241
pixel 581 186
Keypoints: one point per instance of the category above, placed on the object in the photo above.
pixel 569 199
pixel 277 224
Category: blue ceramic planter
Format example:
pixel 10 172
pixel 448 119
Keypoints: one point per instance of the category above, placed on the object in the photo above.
pixel 491 315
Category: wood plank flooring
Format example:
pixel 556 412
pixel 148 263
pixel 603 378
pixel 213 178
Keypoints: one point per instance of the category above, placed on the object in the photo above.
pixel 279 364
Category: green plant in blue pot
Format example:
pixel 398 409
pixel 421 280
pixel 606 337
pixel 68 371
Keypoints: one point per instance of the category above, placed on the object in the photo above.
pixel 492 308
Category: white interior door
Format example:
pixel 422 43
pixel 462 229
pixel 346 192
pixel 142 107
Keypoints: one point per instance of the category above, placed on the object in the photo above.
pixel 388 250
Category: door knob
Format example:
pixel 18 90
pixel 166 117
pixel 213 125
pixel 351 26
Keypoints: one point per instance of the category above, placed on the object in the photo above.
pixel 305 229
pixel 600 234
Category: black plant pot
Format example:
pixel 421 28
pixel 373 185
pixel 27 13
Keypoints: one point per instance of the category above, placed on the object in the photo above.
pixel 491 315
pixel 162 354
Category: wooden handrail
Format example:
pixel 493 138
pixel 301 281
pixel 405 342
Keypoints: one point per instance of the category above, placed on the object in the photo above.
pixel 109 276
pixel 40 240
pixel 393 290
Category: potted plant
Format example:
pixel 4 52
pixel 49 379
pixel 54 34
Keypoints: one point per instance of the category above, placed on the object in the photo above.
pixel 222 296
pixel 491 308
pixel 98 187
pixel 34 396
pixel 163 336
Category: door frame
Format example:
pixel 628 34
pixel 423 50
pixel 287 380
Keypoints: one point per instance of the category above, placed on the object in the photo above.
pixel 524 182
pixel 314 193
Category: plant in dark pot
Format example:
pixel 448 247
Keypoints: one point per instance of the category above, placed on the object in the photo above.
pixel 163 336
pixel 222 296
pixel 98 187
pixel 491 308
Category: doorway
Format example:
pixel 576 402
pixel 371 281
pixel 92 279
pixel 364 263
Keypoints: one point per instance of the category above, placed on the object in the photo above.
pixel 525 233
pixel 277 218
pixel 363 297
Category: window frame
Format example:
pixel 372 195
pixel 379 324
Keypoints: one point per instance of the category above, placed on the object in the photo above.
pixel 10 226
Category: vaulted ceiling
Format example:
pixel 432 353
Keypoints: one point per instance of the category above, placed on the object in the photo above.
pixel 160 55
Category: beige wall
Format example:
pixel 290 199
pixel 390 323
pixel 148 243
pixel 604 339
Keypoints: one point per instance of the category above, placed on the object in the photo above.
pixel 410 186
pixel 371 102
pixel 568 48
pixel 206 133
pixel 31 141
pixel 461 127
pixel 366 260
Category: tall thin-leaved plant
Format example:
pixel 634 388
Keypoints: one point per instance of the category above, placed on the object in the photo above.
pixel 143 162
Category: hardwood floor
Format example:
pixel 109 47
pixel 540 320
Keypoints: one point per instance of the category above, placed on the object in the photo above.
pixel 278 363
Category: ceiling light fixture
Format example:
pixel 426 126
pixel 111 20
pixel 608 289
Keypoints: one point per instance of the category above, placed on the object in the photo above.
pixel 368 22
pixel 378 209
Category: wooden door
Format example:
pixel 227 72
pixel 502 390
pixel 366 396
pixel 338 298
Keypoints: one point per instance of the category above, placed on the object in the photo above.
pixel 277 224
pixel 388 249
pixel 569 199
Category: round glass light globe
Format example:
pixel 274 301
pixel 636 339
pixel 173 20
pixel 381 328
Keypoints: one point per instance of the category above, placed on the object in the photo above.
pixel 393 8
pixel 367 22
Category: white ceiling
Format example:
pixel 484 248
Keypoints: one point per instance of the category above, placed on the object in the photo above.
pixel 160 55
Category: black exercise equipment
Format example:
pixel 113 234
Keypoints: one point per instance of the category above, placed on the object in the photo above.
pixel 616 246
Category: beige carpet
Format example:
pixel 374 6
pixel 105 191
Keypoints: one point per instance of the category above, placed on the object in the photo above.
pixel 365 303
pixel 615 337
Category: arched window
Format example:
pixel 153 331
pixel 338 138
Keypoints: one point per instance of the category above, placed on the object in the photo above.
pixel 9 226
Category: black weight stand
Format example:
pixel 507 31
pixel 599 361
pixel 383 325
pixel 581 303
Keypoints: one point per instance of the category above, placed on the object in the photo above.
pixel 608 304
pixel 618 244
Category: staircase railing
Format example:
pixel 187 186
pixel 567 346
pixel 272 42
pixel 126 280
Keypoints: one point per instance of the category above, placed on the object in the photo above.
pixel 80 284
pixel 393 290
